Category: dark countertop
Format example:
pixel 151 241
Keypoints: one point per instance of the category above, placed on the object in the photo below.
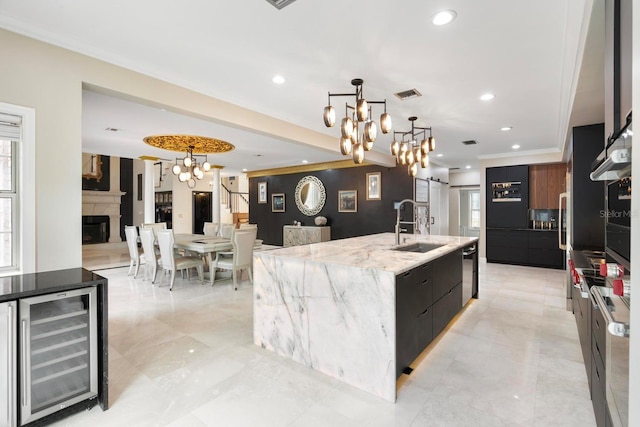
pixel 47 282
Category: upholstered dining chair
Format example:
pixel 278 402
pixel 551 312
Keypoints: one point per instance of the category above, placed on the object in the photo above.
pixel 246 225
pixel 210 228
pixel 131 235
pixel 151 257
pixel 155 226
pixel 241 258
pixel 226 230
pixel 172 262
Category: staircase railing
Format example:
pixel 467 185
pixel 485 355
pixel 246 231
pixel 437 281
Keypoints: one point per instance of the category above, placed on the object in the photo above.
pixel 236 201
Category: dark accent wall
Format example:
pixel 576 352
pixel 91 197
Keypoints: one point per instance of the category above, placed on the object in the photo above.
pixel 126 185
pixel 373 216
pixel 103 183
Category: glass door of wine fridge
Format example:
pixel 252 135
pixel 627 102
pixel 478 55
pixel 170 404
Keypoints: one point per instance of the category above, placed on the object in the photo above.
pixel 58 352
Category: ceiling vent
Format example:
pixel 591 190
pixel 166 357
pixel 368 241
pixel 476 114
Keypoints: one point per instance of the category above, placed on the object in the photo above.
pixel 470 142
pixel 406 94
pixel 454 169
pixel 279 4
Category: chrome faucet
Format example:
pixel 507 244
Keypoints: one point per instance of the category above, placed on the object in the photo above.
pixel 398 222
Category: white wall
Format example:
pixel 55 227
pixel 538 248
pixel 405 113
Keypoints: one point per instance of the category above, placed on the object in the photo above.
pixel 50 80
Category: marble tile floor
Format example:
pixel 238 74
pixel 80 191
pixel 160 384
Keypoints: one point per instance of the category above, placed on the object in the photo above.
pixel 186 358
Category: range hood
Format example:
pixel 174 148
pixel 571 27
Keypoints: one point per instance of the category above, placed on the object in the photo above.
pixel 614 162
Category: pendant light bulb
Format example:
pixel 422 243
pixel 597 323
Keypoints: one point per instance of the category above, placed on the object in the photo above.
pixel 206 166
pixel 329 116
pixel 176 169
pixel 432 143
pixel 346 126
pixel 424 161
pixel 385 123
pixel 410 157
pixel 370 133
pixel 345 146
pixel 395 148
pixel 413 170
pixel 358 154
pixel 187 161
pixel 362 110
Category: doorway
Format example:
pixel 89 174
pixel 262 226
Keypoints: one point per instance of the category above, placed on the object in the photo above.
pixel 201 210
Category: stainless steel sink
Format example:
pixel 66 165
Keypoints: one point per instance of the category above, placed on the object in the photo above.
pixel 419 247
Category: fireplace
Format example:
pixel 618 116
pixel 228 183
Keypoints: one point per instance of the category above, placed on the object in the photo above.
pixel 104 205
pixel 95 229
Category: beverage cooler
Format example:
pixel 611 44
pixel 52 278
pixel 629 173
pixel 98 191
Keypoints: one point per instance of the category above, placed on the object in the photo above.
pixel 8 382
pixel 58 352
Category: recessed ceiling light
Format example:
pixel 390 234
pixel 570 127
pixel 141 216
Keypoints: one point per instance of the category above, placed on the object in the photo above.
pixel 439 155
pixel 443 17
pixel 244 169
pixel 515 146
pixel 506 128
pixel 487 97
pixel 468 167
pixel 305 161
pixel 278 79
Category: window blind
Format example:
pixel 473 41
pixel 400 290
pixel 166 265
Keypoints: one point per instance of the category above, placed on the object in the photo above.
pixel 10 127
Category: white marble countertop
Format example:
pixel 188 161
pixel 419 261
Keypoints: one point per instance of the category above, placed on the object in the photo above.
pixel 374 251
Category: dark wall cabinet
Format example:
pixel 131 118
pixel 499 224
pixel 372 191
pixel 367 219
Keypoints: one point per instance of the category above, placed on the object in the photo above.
pixel 587 197
pixel 427 298
pixel 508 214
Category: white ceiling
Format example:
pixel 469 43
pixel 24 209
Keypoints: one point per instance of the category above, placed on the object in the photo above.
pixel 528 53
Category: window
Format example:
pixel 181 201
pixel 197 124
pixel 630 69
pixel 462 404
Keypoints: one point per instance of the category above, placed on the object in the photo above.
pixel 9 194
pixel 474 209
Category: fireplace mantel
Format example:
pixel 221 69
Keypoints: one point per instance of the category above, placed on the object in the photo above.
pixel 104 203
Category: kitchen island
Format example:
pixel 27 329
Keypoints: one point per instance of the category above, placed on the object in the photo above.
pixel 357 309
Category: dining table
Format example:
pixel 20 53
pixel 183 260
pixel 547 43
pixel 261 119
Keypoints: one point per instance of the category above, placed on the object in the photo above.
pixel 206 246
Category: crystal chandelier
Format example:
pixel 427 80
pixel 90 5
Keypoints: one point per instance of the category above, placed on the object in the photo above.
pixel 356 119
pixel 411 153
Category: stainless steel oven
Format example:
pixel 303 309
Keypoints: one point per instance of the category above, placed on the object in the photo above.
pixel 615 309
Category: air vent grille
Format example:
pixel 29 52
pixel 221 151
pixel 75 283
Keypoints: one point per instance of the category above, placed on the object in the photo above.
pixel 279 4
pixel 454 169
pixel 470 142
pixel 406 94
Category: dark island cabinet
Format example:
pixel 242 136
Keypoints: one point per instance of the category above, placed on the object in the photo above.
pixel 427 298
pixel 413 316
pixel 511 213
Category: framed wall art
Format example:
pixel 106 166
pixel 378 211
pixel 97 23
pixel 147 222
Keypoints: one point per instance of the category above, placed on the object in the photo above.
pixel 277 202
pixel 262 192
pixel 374 191
pixel 348 201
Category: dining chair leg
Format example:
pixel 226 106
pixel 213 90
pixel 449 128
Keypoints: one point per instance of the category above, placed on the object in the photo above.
pixel 173 279
pixel 201 273
pixel 154 274
pixel 235 279
pixel 130 267
pixel 250 272
pixel 135 276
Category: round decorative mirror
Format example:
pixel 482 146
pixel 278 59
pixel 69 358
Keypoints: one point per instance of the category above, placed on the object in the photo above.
pixel 310 195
